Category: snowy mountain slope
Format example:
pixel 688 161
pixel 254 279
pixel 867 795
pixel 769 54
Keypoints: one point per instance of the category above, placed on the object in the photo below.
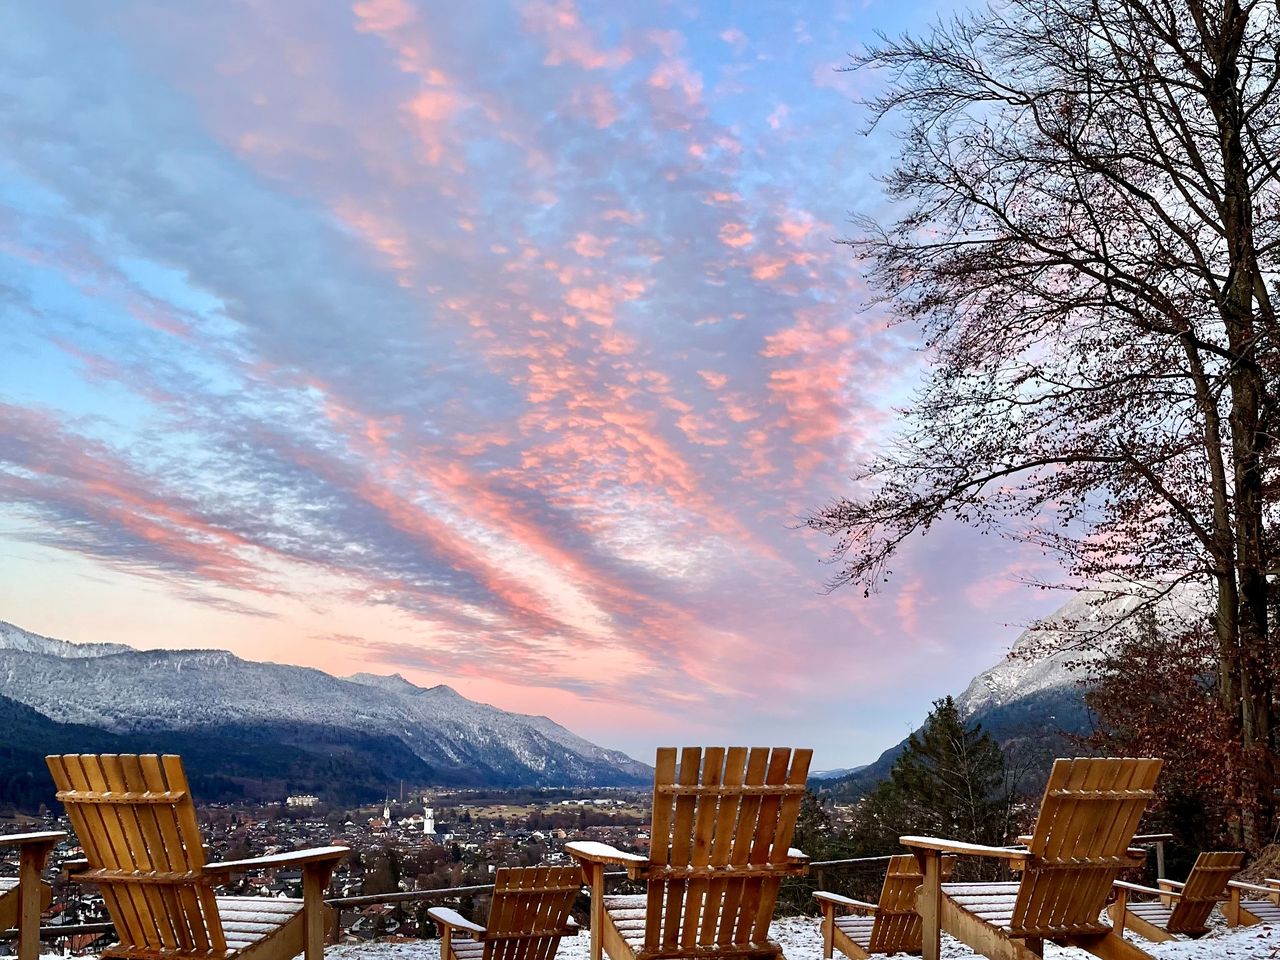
pixel 835 774
pixel 126 691
pixel 1033 699
pixel 1081 631
pixel 15 638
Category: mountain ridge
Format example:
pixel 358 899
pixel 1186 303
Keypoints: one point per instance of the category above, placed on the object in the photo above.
pixel 197 695
pixel 1032 700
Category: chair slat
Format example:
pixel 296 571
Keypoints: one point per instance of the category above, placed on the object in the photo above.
pixel 660 841
pixel 743 840
pixel 681 846
pixel 727 812
pixel 705 818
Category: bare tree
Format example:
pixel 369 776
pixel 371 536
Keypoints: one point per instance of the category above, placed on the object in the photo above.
pixel 1087 240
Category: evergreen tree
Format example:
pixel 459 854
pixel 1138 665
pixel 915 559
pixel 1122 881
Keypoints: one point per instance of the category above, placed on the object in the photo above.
pixel 814 829
pixel 949 782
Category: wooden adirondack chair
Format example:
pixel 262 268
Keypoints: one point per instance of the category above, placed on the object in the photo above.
pixel 1242 910
pixel 1181 907
pixel 720 846
pixel 136 821
pixel 528 915
pixel 1080 844
pixel 891 926
pixel 25 897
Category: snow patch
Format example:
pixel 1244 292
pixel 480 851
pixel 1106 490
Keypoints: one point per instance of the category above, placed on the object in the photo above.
pixel 800 939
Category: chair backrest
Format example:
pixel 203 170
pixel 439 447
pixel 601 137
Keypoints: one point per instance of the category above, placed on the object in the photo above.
pixel 1080 844
pixel 136 821
pixel 723 820
pixel 897 927
pixel 1205 886
pixel 529 912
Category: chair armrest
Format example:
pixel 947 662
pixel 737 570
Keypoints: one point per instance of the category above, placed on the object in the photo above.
pixel 1139 888
pixel 1169 886
pixel 798 856
pixel 1271 882
pixel 848 902
pixel 447 917
pixel 293 858
pixel 72 868
pixel 595 852
pixel 967 849
pixel 1251 887
pixel 49 837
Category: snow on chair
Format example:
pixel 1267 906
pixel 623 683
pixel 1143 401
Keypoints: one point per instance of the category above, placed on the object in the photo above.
pixel 1244 907
pixel 528 915
pixel 890 926
pixel 1182 907
pixel 1088 817
pixel 135 819
pixel 720 846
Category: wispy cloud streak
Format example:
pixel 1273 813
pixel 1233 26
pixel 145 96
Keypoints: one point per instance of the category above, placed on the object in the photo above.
pixel 514 332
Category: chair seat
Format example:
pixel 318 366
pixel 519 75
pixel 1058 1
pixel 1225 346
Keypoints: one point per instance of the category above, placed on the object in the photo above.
pixel 7 884
pixel 1154 912
pixel 1264 910
pixel 466 949
pixel 246 920
pixel 857 929
pixel 627 913
pixel 991 902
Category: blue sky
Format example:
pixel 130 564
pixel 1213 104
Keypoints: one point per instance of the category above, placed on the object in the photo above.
pixel 499 345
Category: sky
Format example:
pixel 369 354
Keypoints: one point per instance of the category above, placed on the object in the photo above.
pixel 497 344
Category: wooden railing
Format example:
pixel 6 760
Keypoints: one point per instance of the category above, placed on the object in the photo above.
pixel 818 869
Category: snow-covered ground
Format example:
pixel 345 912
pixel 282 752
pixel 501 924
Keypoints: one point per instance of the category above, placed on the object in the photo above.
pixel 800 941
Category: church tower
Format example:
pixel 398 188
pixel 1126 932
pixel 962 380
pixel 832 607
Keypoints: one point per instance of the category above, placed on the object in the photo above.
pixel 429 821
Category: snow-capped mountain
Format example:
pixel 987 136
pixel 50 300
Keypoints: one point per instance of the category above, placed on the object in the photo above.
pixel 436 733
pixel 836 774
pixel 1053 655
pixel 1033 699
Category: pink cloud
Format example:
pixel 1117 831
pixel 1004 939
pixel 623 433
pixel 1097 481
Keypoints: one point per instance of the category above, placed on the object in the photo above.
pixel 596 104
pixel 795 226
pixel 718 197
pixel 386 235
pixel 591 246
pixel 768 266
pixel 567 39
pixel 680 83
pixel 736 235
pixel 624 216
pixel 377 16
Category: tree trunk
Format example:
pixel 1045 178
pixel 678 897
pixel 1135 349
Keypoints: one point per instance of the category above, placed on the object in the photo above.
pixel 1252 691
